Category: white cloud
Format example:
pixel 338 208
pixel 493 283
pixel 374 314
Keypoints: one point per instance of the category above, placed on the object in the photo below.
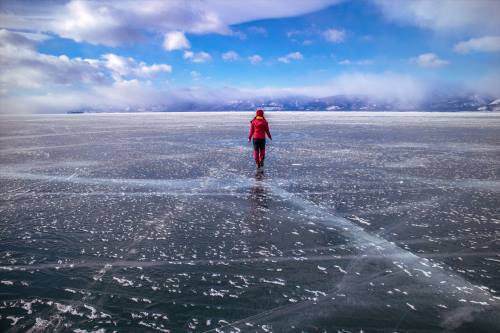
pixel 195 75
pixel 429 60
pixel 255 59
pixel 45 103
pixel 234 12
pixel 404 89
pixel 136 95
pixel 35 36
pixel 398 88
pixel 148 71
pixel 482 44
pixel 291 56
pixel 197 57
pixel 119 65
pixel 334 35
pixel 257 30
pixel 230 56
pixel 24 67
pixel 444 15
pixel 175 40
pixel 125 66
pixel 94 23
pixel 122 95
pixel 13 44
pixel 356 62
pixel 112 23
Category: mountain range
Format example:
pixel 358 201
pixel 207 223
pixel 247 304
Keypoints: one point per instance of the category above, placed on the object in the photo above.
pixel 437 102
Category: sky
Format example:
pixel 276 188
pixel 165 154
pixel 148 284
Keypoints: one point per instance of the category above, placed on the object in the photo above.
pixel 57 56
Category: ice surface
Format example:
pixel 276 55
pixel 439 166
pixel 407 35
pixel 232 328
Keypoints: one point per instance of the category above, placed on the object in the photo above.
pixel 157 222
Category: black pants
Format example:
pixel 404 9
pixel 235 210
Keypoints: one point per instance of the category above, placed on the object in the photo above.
pixel 259 149
pixel 259 144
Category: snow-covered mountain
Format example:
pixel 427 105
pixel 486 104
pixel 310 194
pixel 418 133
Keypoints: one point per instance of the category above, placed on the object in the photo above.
pixel 465 102
pixel 494 106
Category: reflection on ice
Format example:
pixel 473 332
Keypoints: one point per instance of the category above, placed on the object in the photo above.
pixel 365 220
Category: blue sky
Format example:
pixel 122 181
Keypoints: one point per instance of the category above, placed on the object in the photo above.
pixel 59 55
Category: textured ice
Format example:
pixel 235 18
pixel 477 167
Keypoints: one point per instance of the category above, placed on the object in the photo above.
pixel 157 222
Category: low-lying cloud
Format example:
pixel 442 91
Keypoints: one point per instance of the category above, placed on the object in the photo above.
pixel 398 88
pixel 136 95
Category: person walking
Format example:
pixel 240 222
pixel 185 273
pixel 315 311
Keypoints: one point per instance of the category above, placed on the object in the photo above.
pixel 259 128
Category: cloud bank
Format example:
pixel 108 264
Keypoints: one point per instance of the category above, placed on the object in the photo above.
pixel 114 23
pixel 136 94
pixel 22 66
pixel 401 89
pixel 31 78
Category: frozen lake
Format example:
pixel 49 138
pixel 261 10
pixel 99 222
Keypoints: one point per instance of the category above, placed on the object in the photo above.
pixel 157 222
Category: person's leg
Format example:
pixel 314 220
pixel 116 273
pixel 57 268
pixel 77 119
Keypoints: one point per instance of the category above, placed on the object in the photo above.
pixel 262 155
pixel 256 152
pixel 262 152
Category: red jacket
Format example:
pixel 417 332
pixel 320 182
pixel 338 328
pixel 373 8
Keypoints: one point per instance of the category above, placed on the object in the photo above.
pixel 259 128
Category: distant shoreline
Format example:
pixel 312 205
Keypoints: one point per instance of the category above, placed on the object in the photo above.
pixel 136 113
pixel 283 111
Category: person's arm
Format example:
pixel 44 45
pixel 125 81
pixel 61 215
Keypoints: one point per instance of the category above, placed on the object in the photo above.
pixel 252 129
pixel 267 131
